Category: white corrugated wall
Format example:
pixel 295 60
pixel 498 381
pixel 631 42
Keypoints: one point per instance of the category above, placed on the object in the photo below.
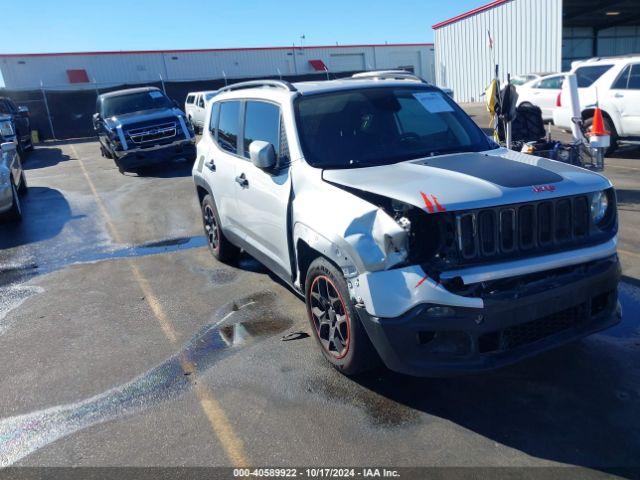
pixel 26 72
pixel 527 36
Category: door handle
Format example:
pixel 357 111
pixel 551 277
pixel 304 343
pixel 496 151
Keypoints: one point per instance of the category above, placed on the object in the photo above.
pixel 619 95
pixel 211 165
pixel 242 180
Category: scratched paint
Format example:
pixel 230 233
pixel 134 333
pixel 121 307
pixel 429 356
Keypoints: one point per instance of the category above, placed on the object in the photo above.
pixel 233 326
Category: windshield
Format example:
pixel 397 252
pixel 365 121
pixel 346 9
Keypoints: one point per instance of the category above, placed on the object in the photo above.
pixel 378 126
pixel 134 102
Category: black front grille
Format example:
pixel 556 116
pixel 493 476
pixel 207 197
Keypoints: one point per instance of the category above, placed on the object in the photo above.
pixel 152 133
pixel 522 229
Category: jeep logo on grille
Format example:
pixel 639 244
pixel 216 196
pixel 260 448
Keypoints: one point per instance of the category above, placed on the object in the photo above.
pixel 543 188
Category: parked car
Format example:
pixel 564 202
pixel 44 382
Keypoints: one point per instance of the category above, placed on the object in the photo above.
pixel 194 107
pixel 412 237
pixel 613 83
pixel 142 126
pixel 518 80
pixel 543 93
pixel 13 183
pixel 21 121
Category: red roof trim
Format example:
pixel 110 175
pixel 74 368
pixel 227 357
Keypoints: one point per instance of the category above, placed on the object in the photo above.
pixel 204 50
pixel 470 13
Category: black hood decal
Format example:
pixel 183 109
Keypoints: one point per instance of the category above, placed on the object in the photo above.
pixel 494 169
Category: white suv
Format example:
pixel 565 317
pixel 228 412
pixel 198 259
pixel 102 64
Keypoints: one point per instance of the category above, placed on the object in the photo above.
pixel 615 84
pixel 413 238
pixel 195 106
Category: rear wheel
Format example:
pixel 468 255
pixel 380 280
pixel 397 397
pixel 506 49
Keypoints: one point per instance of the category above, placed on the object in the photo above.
pixel 334 321
pixel 609 127
pixel 221 248
pixel 15 214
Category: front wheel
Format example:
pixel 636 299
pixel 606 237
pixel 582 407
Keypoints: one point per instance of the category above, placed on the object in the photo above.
pixel 334 321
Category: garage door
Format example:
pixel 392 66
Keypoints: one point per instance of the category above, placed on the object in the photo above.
pixel 406 61
pixel 346 62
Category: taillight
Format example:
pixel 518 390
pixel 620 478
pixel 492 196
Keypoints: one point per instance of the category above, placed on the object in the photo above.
pixel 559 100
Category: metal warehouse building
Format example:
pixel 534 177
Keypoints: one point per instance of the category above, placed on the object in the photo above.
pixel 530 36
pixel 88 70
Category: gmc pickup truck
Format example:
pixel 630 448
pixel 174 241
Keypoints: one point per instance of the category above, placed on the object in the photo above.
pixel 140 127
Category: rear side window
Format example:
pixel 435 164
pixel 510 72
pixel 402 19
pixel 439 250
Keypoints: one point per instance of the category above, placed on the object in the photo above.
pixel 229 126
pixel 554 83
pixel 586 76
pixel 201 101
pixel 215 116
pixel 262 122
pixel 190 98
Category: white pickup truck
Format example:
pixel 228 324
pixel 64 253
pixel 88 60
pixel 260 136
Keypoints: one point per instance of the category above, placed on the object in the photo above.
pixel 194 107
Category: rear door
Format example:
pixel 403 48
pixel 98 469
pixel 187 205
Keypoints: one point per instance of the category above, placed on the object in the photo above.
pixel 221 158
pixel 198 112
pixel 263 195
pixel 625 96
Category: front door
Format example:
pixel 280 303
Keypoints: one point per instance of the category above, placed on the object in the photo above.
pixel 263 195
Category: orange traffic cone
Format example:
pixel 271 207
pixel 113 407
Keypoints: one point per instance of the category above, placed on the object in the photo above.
pixel 597 127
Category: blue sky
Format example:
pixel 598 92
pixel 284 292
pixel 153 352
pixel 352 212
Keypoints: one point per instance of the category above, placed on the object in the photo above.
pixel 88 25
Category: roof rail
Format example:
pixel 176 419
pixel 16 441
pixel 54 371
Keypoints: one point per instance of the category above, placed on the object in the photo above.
pixel 260 83
pixel 387 75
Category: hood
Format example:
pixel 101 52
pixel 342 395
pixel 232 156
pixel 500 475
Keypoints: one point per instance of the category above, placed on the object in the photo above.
pixel 471 180
pixel 125 119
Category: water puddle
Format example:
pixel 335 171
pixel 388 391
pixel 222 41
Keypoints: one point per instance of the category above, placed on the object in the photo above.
pixel 235 325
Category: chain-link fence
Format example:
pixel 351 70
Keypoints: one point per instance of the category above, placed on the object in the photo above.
pixel 65 114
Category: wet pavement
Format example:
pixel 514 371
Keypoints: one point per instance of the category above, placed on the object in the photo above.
pixel 125 343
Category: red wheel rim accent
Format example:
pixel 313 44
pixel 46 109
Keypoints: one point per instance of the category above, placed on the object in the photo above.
pixel 330 317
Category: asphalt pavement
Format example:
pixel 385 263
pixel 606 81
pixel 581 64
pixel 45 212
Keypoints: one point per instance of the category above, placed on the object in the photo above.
pixel 124 343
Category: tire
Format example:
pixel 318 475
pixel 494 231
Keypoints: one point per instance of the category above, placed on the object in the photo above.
pixel 15 214
pixel 221 248
pixel 334 320
pixel 609 127
pixel 23 184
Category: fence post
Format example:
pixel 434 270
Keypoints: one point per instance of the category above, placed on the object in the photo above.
pixel 46 106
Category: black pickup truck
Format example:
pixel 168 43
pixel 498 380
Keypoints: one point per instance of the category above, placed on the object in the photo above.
pixel 140 127
pixel 21 122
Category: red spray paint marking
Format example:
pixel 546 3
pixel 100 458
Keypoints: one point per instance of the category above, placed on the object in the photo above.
pixel 426 277
pixel 439 207
pixel 427 202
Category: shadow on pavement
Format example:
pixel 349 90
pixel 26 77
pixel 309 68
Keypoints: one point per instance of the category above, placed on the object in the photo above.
pixel 628 197
pixel 579 404
pixel 45 212
pixel 175 169
pixel 43 157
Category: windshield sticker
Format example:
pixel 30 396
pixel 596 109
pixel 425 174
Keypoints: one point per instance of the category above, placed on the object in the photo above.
pixel 155 94
pixel 433 102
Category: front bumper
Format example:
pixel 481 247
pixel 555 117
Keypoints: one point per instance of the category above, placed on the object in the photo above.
pixel 577 303
pixel 141 157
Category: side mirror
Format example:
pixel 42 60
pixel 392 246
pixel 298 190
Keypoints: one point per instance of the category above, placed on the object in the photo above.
pixel 8 147
pixel 262 154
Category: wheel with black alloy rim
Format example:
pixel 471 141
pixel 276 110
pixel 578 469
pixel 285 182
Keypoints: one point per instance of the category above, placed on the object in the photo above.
pixel 334 321
pixel 218 244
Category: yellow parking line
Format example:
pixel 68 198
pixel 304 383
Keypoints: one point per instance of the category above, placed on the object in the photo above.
pixel 231 443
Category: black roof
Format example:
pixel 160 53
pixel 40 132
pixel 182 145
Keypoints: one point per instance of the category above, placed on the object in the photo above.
pixel 129 91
